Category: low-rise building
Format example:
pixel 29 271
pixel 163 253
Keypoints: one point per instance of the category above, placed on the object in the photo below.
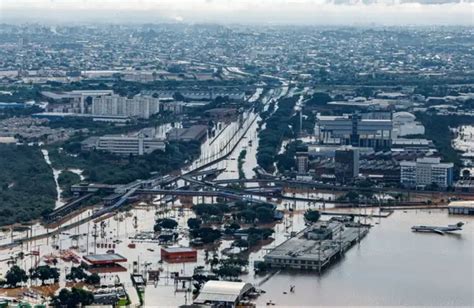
pixel 192 133
pixel 178 254
pixel 461 207
pixel 217 293
pixel 124 145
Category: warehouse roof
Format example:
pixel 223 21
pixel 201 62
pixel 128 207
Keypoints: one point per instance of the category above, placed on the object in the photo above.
pixel 222 291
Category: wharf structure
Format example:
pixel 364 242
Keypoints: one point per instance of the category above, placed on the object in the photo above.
pixel 317 246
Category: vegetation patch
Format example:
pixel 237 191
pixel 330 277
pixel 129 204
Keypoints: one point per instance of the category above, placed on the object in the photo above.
pixel 27 187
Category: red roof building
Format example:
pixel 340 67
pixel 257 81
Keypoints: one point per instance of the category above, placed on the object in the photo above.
pixel 178 254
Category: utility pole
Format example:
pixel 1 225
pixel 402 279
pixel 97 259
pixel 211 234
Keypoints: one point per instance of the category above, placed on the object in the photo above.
pixel 319 257
pixel 87 237
pixel 95 238
pixel 340 240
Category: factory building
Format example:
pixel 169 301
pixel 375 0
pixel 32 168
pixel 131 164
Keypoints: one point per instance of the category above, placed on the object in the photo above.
pixel 426 171
pixel 316 246
pixel 192 133
pixel 354 130
pixel 124 145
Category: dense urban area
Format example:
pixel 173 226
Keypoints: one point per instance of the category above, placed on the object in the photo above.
pixel 223 166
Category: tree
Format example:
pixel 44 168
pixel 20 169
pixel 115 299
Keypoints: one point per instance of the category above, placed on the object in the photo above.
pixel 241 243
pixel 93 279
pixel 312 215
pixel 247 215
pixel 318 99
pixel 207 235
pixel 194 223
pixel 15 276
pixel 73 298
pixel 264 214
pixel 45 272
pixel 165 223
pixel 76 273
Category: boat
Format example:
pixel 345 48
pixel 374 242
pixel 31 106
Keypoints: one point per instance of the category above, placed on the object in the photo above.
pixel 438 230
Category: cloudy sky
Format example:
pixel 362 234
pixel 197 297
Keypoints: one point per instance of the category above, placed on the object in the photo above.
pixel 446 12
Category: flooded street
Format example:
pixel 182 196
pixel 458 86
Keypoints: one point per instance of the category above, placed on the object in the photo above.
pixel 56 173
pixel 391 266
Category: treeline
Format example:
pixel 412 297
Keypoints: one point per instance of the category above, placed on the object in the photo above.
pixel 278 126
pixel 437 129
pixel 101 167
pixel 27 187
pixel 286 161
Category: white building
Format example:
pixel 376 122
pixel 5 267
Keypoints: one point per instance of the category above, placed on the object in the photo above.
pixel 125 145
pixel 426 171
pixel 404 124
pixel 353 130
pixel 222 293
pixel 138 106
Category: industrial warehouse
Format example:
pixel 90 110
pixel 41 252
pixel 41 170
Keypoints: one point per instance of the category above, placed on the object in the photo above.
pixel 316 246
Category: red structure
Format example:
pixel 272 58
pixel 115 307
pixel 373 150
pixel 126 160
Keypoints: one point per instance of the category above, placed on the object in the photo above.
pixel 104 263
pixel 178 254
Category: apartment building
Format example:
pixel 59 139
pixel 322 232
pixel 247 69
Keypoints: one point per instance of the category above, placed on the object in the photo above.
pixel 138 106
pixel 426 171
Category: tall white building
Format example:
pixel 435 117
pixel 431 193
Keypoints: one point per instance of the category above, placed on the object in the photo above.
pixel 138 106
pixel 426 171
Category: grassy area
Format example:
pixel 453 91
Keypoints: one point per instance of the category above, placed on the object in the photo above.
pixel 27 187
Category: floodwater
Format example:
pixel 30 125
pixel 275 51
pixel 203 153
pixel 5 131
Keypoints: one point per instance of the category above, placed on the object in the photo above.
pixel 59 202
pixel 391 266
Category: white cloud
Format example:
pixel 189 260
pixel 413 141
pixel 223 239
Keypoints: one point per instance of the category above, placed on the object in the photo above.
pixel 244 11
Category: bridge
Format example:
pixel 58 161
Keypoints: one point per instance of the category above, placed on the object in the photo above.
pixel 67 208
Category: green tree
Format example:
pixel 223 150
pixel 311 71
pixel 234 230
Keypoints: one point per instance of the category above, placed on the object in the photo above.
pixel 194 223
pixel 15 276
pixel 165 223
pixel 45 272
pixel 264 214
pixel 73 298
pixel 312 215
pixel 93 279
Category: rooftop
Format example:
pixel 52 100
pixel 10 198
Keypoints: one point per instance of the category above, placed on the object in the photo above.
pixel 222 291
pixel 105 258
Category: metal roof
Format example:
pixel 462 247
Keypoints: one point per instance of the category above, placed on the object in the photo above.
pixel 222 291
pixel 105 258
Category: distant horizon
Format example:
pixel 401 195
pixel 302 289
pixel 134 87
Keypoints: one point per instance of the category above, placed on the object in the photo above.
pixel 242 12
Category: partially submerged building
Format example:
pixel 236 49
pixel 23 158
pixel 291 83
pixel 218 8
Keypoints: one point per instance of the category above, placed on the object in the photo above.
pixel 317 246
